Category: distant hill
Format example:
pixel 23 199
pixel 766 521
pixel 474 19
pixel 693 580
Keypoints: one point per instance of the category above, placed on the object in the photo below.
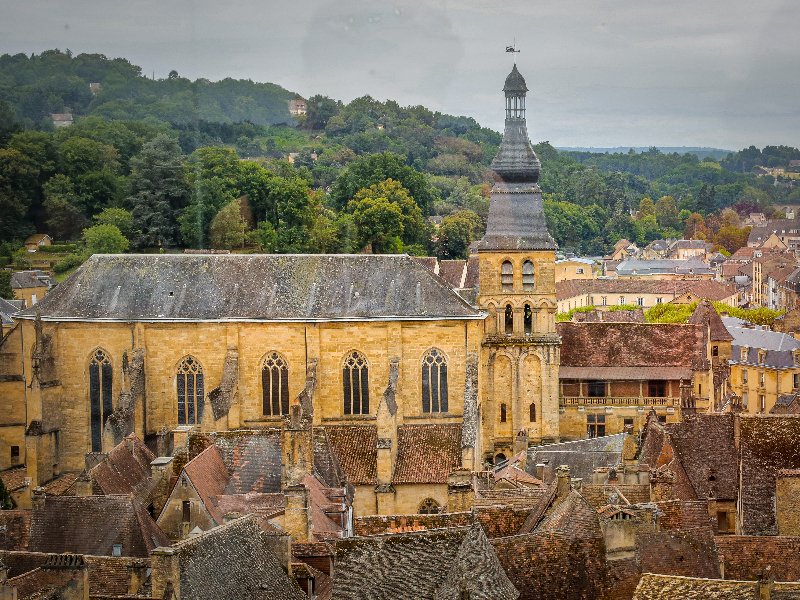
pixel 701 153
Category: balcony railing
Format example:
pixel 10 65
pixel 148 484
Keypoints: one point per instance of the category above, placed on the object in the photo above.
pixel 618 401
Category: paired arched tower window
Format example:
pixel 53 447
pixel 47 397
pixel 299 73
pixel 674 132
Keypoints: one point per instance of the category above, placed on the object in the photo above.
pixel 507 276
pixel 355 381
pixel 528 276
pixel 101 390
pixel 275 385
pixel 190 391
pixel 434 381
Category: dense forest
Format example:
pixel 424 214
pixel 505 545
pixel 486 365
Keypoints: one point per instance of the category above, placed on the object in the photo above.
pixel 159 165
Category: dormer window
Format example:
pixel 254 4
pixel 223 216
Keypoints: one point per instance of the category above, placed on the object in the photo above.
pixel 762 357
pixel 744 354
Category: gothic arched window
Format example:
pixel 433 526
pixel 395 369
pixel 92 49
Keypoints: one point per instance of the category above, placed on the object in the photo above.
pixel 429 506
pixel 275 385
pixel 101 390
pixel 355 379
pixel 190 391
pixel 507 276
pixel 527 275
pixel 434 381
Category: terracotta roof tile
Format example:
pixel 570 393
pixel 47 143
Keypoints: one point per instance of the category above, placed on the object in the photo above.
pixel 209 477
pixel 126 470
pixel 356 449
pixel 713 290
pixel 471 280
pixel 18 529
pixel 252 458
pixel 452 271
pixel 427 453
pixel 62 485
pixel 14 479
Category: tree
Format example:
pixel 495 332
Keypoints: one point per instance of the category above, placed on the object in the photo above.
pixel 667 212
pixel 119 217
pixel 376 168
pixel 319 111
pixel 646 207
pixel 379 223
pixel 265 236
pixel 65 218
pixel 5 497
pixel 229 228
pixel 104 239
pixel 456 233
pixel 18 177
pixel 8 123
pixel 6 291
pixel 393 192
pixel 157 192
pixel 705 200
pixel 731 238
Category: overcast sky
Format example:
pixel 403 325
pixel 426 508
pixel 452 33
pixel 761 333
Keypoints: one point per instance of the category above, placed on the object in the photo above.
pixel 720 73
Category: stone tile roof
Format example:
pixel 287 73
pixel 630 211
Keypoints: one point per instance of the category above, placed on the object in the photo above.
pixel 429 262
pixel 427 453
pixel 674 587
pixel 712 290
pixel 63 485
pixel 680 514
pixel 471 280
pixel 705 314
pixel 325 461
pixel 18 529
pixel 629 344
pixel 261 505
pixel 422 565
pixel 209 477
pixel 130 287
pixel 356 449
pixel 92 525
pixel 610 316
pixel 46 580
pixel 768 443
pixel 231 562
pixel 704 445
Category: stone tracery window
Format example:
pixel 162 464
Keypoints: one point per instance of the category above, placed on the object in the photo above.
pixel 190 391
pixel 101 390
pixel 355 379
pixel 434 381
pixel 275 385
pixel 429 506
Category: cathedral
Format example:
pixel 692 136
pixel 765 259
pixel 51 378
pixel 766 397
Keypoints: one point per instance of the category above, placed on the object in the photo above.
pixel 407 379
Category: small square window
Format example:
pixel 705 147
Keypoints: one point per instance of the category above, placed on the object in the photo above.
pixel 714 350
pixel 15 449
pixel 621 300
pixel 116 550
pixel 579 271
pixel 604 301
pixel 659 300
pixel 640 301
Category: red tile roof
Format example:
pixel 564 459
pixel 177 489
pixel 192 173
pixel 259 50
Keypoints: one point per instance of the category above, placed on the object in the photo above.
pixel 427 453
pixel 209 478
pixel 713 290
pixel 452 271
pixel 356 449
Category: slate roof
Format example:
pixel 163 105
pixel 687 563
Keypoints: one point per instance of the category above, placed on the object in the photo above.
pixel 356 448
pixel 232 562
pixel 471 280
pixel 704 445
pixel 30 279
pixel 6 310
pixel 712 290
pixel 635 315
pixel 92 525
pixel 236 287
pixel 572 517
pixel 425 565
pixel 678 266
pixel 582 456
pixel 427 453
pixel 657 345
pixel 252 459
pixel 779 346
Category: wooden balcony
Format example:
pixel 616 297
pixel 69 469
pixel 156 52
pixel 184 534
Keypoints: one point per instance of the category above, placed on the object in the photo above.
pixel 618 401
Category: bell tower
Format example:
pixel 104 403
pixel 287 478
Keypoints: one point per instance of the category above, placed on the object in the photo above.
pixel 520 349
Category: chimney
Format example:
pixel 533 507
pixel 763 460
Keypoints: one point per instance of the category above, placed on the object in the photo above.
pixel 460 494
pixel 297 446
pixel 521 445
pixel 137 573
pixel 83 484
pixel 38 498
pixel 563 489
pixel 540 471
pixel 130 443
pixel 161 475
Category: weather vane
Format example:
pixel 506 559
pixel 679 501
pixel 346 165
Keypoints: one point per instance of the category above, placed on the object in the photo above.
pixel 512 48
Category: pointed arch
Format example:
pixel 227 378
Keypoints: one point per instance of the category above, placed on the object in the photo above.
pixel 355 383
pixel 275 384
pixel 191 390
pixel 434 381
pixel 101 394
